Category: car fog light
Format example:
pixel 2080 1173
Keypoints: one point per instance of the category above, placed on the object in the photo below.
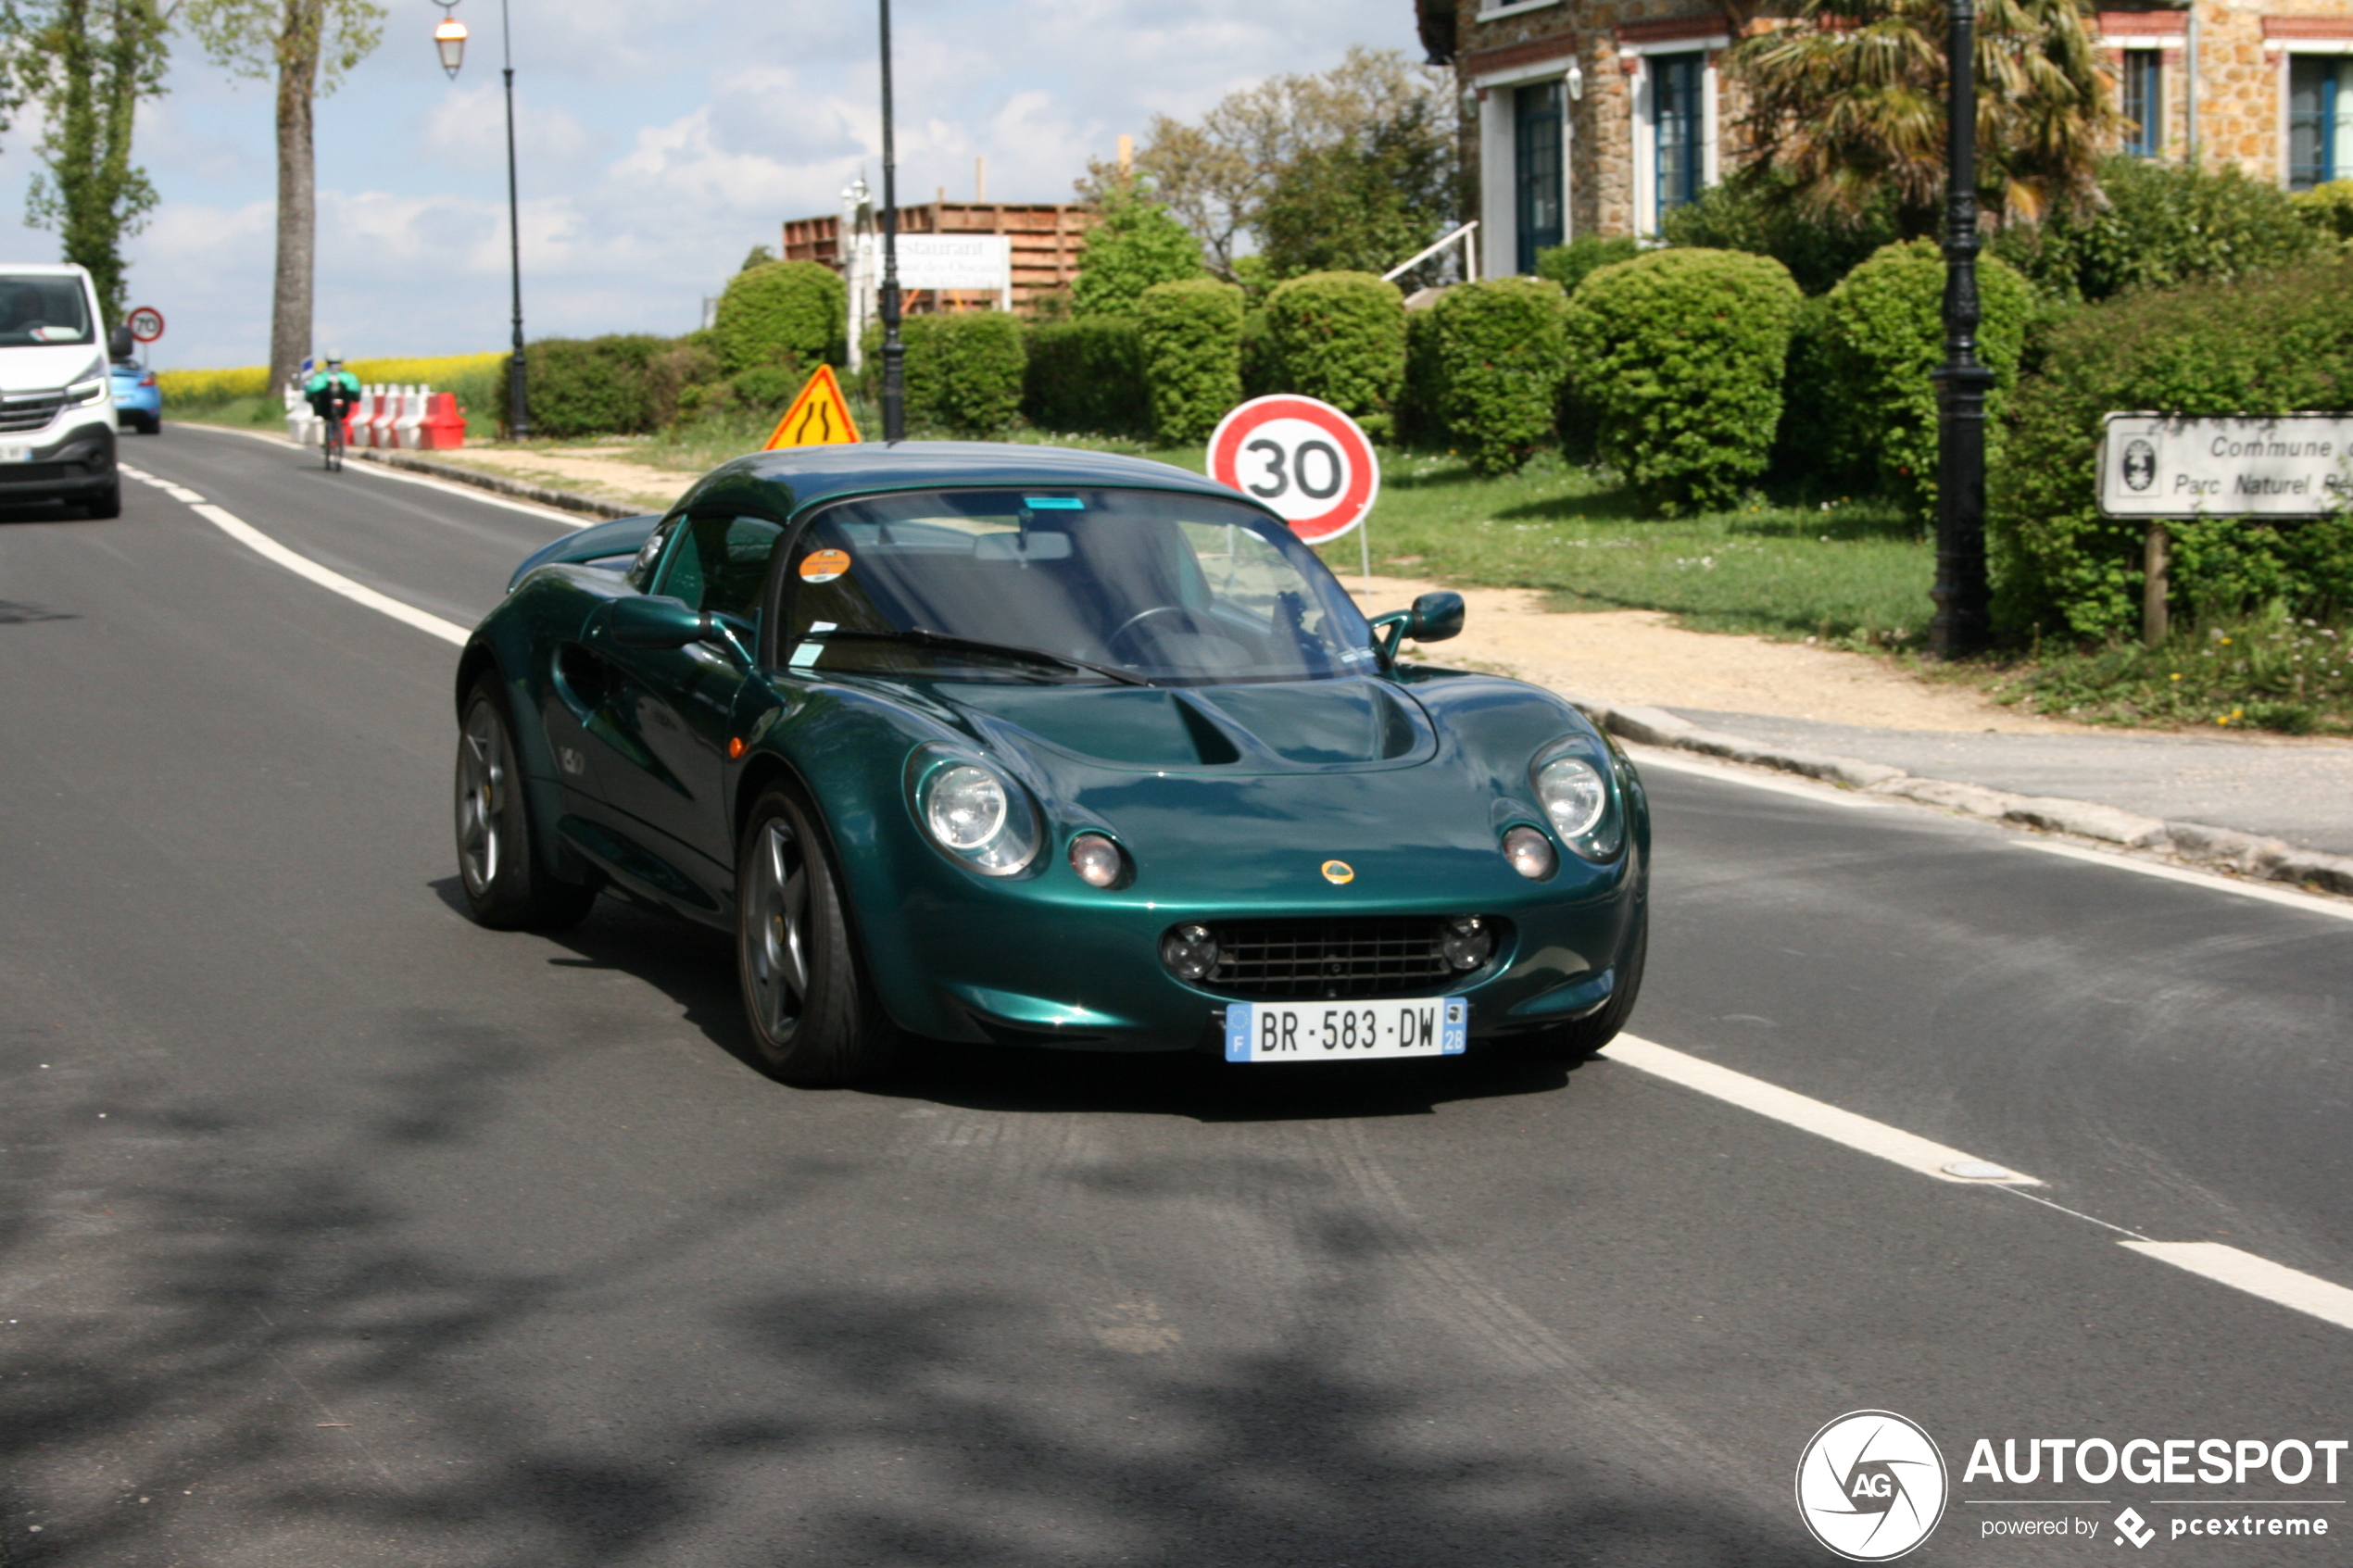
pixel 1095 858
pixel 968 807
pixel 1467 943
pixel 1531 853
pixel 1190 951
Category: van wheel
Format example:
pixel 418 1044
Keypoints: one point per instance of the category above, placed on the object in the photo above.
pixel 105 503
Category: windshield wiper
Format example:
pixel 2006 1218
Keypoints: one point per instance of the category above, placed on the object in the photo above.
pixel 923 637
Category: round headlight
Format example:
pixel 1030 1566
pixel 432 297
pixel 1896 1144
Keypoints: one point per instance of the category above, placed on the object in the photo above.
pixel 1190 951
pixel 1096 859
pixel 1531 853
pixel 965 807
pixel 1573 794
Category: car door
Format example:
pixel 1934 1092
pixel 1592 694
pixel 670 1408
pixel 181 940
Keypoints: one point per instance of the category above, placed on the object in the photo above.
pixel 662 729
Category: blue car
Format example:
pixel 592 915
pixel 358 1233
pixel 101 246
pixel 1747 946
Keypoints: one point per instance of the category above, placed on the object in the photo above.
pixel 138 401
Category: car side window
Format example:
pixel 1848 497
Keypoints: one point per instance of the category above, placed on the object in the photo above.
pixel 720 564
pixel 641 570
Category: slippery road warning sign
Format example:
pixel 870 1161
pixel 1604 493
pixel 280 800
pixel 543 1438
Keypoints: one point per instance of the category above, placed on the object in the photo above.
pixel 819 417
pixel 1308 461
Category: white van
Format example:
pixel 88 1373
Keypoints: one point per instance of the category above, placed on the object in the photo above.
pixel 56 404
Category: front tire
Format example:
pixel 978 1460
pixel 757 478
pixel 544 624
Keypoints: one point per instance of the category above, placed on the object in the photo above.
pixel 506 888
pixel 813 1014
pixel 106 503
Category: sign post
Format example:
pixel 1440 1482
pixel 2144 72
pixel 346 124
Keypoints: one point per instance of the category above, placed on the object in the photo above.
pixel 1310 464
pixel 2159 467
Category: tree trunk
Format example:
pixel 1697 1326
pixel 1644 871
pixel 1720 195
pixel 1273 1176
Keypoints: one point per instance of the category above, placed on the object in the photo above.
pixel 297 190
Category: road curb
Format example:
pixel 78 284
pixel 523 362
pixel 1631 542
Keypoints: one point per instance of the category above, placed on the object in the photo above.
pixel 564 501
pixel 2200 843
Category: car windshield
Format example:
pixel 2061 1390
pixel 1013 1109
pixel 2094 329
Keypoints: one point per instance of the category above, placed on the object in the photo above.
pixel 1164 586
pixel 36 310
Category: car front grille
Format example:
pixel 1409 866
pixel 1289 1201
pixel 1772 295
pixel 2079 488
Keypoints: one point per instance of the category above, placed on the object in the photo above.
pixel 1365 956
pixel 29 412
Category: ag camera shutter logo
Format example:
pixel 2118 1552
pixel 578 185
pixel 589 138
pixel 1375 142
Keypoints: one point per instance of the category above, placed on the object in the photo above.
pixel 1871 1486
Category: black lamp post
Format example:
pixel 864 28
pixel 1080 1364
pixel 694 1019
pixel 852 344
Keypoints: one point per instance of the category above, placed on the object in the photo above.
pixel 449 37
pixel 894 353
pixel 1961 625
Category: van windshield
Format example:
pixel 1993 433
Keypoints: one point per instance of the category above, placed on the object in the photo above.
pixel 40 310
pixel 1160 586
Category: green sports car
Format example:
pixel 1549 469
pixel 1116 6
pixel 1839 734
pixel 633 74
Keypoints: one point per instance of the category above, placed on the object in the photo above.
pixel 1018 744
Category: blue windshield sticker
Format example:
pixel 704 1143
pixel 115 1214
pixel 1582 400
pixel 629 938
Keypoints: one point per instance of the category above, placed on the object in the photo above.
pixel 1053 502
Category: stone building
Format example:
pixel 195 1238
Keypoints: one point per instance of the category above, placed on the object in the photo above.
pixel 1595 116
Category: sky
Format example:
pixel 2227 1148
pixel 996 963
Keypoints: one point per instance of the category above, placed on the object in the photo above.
pixel 658 143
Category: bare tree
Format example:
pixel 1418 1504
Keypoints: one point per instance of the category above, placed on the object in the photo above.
pixel 307 47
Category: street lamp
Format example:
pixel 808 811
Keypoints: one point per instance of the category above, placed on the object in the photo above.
pixel 1962 624
pixel 449 39
pixel 894 354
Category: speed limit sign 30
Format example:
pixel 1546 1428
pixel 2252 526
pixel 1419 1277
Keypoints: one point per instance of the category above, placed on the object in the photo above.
pixel 1305 459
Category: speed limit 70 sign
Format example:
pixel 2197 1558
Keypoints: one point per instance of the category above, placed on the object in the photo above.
pixel 1305 459
pixel 146 324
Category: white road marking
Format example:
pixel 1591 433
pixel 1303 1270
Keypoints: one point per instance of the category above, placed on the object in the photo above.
pixel 2258 1277
pixel 1683 762
pixel 1805 1113
pixel 2287 895
pixel 2273 1282
pixel 301 566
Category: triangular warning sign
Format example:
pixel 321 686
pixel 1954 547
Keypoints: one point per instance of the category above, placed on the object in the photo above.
pixel 819 417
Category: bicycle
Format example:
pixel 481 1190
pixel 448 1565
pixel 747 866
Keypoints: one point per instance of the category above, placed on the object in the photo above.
pixel 330 440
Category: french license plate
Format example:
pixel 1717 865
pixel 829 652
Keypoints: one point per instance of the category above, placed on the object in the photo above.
pixel 1346 1031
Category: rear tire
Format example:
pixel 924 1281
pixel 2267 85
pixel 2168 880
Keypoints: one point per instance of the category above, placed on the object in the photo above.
pixel 1587 1035
pixel 105 503
pixel 498 849
pixel 814 1016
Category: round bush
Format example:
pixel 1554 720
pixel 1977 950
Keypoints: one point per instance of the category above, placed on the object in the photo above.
pixel 2273 345
pixel 1192 334
pixel 1341 337
pixel 1497 354
pixel 795 309
pixel 964 371
pixel 1881 333
pixel 1679 354
pixel 587 387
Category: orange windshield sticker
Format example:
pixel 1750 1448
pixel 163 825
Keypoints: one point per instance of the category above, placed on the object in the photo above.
pixel 823 566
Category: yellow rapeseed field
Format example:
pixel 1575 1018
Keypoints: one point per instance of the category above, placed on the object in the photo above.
pixel 252 380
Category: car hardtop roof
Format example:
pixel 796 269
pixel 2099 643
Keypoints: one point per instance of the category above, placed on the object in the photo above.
pixel 808 476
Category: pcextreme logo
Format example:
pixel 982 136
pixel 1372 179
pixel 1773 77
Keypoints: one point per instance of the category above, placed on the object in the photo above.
pixel 1871 1486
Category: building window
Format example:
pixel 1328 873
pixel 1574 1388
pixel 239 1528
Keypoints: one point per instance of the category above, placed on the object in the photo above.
pixel 1536 169
pixel 2320 120
pixel 2144 103
pixel 1676 127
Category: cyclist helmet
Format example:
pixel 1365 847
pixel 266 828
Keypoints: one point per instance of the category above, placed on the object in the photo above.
pixel 334 360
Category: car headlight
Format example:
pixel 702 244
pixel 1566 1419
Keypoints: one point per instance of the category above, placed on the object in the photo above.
pixel 1097 861
pixel 1579 801
pixel 85 392
pixel 1531 853
pixel 975 814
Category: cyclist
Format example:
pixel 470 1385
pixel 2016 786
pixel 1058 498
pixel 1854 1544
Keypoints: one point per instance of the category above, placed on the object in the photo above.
pixel 332 393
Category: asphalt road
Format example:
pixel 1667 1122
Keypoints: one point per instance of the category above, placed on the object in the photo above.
pixel 336 1231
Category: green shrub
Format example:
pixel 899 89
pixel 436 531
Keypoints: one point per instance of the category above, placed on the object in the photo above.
pixel 1812 447
pixel 1087 375
pixel 1341 337
pixel 588 386
pixel 798 307
pixel 964 370
pixel 1880 332
pixel 1753 212
pixel 1259 376
pixel 1569 265
pixel 1498 360
pixel 1136 245
pixel 2328 209
pixel 2271 344
pixel 1192 334
pixel 1680 354
pixel 1421 416
pixel 2164 225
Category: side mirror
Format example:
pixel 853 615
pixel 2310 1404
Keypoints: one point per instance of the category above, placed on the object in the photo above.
pixel 120 344
pixel 659 622
pixel 1435 618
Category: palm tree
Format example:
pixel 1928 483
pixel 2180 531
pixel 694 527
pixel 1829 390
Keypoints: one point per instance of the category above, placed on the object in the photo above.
pixel 1846 106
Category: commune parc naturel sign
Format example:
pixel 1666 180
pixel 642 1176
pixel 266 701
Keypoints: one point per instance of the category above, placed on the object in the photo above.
pixel 2169 466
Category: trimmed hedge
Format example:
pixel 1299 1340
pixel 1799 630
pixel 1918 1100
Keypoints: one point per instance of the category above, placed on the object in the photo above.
pixel 594 386
pixel 1679 356
pixel 1341 337
pixel 2163 226
pixel 1755 212
pixel 1570 264
pixel 1087 375
pixel 1881 331
pixel 2272 344
pixel 1421 418
pixel 1496 351
pixel 964 369
pixel 1192 334
pixel 779 310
